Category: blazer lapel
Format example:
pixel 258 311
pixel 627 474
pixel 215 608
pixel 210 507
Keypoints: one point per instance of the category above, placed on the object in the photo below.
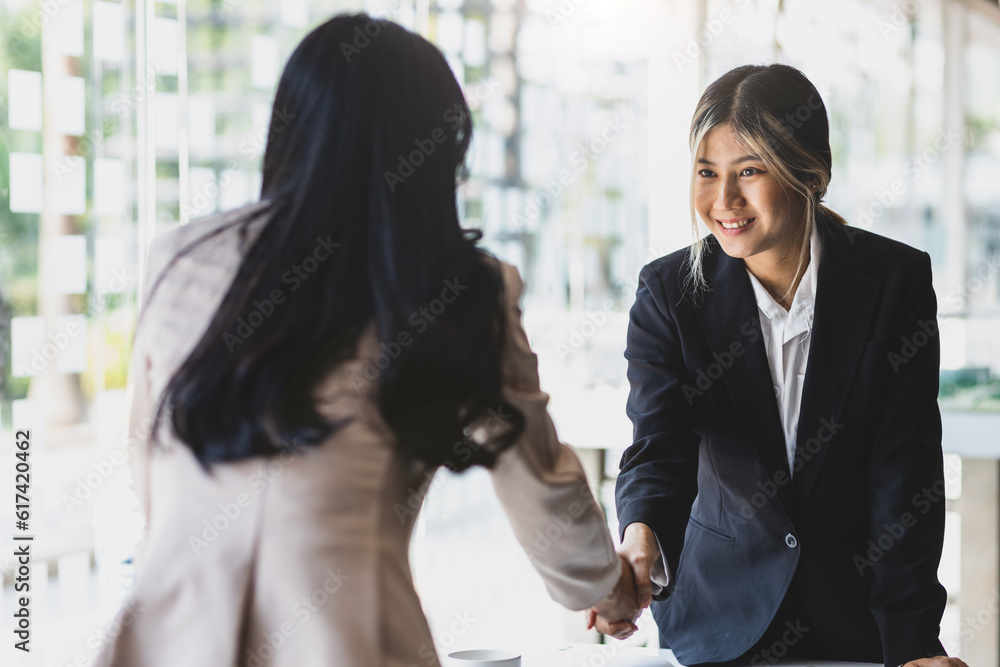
pixel 845 300
pixel 728 315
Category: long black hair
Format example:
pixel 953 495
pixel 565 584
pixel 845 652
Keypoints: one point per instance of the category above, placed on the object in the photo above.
pixel 368 136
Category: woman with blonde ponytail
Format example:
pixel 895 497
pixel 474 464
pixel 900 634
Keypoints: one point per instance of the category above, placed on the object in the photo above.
pixel 783 495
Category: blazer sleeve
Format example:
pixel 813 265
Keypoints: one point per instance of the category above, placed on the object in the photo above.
pixel 906 478
pixel 140 413
pixel 657 482
pixel 139 391
pixel 542 486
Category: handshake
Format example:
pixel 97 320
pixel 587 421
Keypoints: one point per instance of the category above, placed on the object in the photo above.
pixel 616 614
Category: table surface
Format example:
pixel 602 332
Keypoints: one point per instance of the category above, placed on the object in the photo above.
pixel 614 655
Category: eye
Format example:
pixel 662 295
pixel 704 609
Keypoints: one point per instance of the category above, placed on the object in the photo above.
pixel 706 173
pixel 750 171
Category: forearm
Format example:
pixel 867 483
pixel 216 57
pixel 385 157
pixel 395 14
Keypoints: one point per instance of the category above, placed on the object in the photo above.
pixel 656 487
pixel 558 522
pixel 657 481
pixel 543 488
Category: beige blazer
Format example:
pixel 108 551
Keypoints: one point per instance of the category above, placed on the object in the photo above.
pixel 314 545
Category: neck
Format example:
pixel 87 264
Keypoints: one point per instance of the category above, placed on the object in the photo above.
pixel 778 275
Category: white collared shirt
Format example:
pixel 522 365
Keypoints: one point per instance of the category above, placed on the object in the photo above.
pixel 787 335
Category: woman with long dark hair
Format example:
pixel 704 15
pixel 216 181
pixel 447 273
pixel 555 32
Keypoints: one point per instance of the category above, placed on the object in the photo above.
pixel 303 365
pixel 784 492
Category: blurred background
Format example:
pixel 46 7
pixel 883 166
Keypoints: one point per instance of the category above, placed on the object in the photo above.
pixel 118 121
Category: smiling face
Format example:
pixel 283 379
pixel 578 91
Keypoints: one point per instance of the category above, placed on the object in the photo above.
pixel 745 207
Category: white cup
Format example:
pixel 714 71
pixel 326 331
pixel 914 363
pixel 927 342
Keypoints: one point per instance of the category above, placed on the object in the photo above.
pixel 483 658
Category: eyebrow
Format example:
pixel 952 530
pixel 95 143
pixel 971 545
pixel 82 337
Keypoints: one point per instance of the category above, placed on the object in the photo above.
pixel 745 158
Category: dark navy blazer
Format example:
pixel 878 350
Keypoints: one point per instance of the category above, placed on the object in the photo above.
pixel 860 524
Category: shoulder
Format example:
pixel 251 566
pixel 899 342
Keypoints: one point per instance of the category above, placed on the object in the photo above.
pixel 670 269
pixel 665 280
pixel 902 273
pixel 513 285
pixel 519 364
pixel 510 279
pixel 880 255
pixel 213 242
pixel 171 242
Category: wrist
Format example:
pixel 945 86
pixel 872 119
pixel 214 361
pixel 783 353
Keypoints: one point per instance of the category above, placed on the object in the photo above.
pixel 620 602
pixel 613 599
pixel 636 529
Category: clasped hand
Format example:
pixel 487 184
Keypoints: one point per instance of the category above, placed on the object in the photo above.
pixel 616 615
pixel 621 604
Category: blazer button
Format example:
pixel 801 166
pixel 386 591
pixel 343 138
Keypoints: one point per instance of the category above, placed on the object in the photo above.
pixel 791 541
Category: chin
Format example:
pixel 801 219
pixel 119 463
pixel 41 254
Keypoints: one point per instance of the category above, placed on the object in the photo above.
pixel 737 249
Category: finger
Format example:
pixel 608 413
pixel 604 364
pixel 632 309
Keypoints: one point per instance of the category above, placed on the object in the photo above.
pixel 624 630
pixel 591 618
pixel 606 627
pixel 618 629
pixel 945 661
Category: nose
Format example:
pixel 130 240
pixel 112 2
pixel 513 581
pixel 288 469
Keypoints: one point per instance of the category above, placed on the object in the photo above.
pixel 729 196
